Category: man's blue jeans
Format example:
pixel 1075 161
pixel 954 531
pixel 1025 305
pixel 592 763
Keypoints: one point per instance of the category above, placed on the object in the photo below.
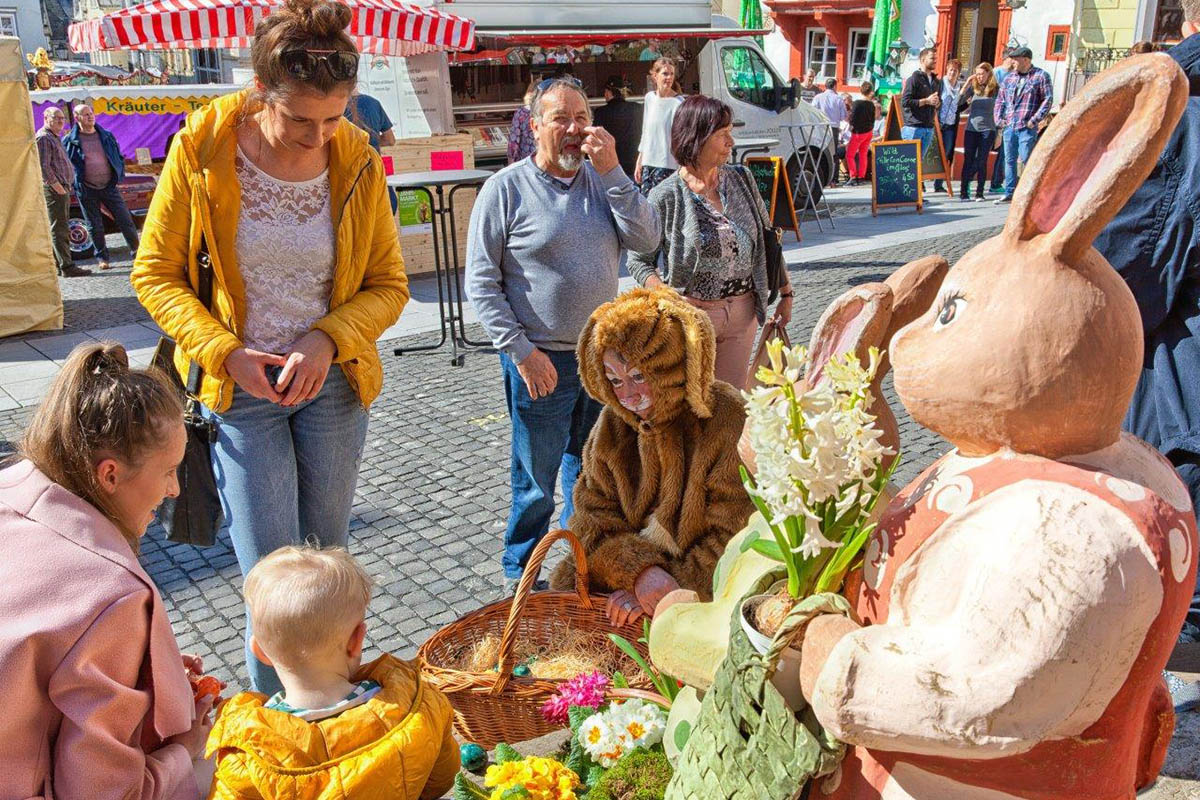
pixel 548 434
pixel 287 476
pixel 1018 144
pixel 109 197
pixel 925 135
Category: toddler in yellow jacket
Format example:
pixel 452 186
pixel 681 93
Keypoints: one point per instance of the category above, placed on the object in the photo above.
pixel 338 729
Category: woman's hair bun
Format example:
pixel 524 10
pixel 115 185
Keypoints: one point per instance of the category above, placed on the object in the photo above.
pixel 106 358
pixel 318 19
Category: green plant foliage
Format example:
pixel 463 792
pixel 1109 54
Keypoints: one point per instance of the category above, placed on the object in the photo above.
pixel 505 753
pixel 467 789
pixel 576 715
pixel 640 775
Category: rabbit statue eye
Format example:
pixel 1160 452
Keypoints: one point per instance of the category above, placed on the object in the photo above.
pixel 952 307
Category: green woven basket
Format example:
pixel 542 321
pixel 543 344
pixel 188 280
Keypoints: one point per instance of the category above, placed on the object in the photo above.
pixel 748 744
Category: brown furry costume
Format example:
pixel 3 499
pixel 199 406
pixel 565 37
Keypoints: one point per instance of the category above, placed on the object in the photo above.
pixel 664 491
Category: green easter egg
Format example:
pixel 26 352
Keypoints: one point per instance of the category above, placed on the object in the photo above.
pixel 472 756
pixel 522 671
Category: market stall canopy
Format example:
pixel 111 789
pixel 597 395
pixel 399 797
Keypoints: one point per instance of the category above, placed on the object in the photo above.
pixel 543 37
pixel 382 27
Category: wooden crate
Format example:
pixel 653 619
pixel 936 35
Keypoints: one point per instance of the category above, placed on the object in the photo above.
pixel 413 155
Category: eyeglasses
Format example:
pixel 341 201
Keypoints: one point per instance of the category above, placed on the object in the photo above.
pixel 546 84
pixel 302 64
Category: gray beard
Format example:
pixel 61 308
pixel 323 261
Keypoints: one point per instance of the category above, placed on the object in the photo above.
pixel 569 163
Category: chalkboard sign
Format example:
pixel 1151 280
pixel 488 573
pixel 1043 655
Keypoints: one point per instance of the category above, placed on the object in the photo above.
pixel 770 178
pixel 896 175
pixel 934 163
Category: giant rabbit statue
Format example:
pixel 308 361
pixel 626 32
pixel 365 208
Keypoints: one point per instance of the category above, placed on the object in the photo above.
pixel 1020 598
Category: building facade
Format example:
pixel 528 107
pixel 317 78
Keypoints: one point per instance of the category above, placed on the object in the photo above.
pixel 23 19
pixel 831 36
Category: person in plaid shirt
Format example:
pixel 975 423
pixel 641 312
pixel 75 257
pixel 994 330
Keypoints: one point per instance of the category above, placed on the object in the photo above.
pixel 1025 99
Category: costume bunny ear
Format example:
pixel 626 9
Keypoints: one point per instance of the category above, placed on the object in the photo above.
pixel 1097 152
pixel 700 352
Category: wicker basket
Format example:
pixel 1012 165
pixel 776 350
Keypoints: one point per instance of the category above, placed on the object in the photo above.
pixel 491 707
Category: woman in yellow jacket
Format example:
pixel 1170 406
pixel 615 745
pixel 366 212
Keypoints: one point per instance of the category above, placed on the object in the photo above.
pixel 289 201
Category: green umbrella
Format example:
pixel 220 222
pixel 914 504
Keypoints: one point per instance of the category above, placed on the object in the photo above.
pixel 752 18
pixel 886 50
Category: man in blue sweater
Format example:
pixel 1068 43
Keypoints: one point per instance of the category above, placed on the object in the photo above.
pixel 543 252
pixel 1154 242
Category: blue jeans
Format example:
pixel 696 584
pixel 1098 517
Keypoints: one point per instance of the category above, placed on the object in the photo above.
pixel 949 140
pixel 925 135
pixel 998 167
pixel 1018 144
pixel 976 147
pixel 91 200
pixel 547 435
pixel 286 476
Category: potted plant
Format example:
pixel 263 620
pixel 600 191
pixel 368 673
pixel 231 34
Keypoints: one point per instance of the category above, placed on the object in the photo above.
pixel 819 478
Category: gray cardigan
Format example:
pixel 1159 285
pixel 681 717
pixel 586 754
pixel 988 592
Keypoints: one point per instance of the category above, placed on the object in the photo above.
pixel 676 258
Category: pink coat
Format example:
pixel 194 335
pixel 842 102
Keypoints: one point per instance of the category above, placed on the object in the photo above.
pixel 89 667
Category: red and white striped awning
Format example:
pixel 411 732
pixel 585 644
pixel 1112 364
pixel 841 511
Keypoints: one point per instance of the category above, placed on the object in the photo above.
pixel 383 27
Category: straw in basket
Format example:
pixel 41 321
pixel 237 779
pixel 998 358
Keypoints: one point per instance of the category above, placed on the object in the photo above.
pixel 491 707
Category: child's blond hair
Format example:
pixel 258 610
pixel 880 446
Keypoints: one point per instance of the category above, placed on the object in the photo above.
pixel 304 601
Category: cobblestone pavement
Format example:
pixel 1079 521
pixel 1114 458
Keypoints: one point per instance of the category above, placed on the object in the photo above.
pixel 432 496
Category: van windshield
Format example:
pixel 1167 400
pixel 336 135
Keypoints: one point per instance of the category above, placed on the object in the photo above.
pixel 748 77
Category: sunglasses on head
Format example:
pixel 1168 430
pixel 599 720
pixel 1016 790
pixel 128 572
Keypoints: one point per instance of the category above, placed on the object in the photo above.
pixel 303 64
pixel 546 84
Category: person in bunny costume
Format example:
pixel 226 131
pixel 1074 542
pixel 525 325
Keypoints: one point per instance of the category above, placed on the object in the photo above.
pixel 1020 598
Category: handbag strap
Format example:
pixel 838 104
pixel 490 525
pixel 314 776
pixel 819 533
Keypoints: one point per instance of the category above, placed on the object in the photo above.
pixel 204 292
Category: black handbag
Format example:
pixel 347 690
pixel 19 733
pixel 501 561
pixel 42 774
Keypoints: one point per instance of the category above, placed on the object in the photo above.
pixel 777 275
pixel 195 516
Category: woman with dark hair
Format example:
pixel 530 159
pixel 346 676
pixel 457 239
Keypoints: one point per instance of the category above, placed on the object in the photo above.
pixel 712 250
pixel 287 199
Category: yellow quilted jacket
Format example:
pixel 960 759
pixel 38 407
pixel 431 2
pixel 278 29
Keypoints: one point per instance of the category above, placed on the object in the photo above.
pixel 396 746
pixel 199 198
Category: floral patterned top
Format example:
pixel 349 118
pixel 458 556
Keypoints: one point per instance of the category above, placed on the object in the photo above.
pixel 286 254
pixel 521 143
pixel 726 268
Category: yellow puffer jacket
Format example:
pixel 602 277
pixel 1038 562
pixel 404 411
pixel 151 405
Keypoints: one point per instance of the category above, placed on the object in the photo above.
pixel 396 746
pixel 199 199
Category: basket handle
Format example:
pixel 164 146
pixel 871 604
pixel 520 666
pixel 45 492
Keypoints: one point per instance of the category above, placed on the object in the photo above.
pixel 639 694
pixel 509 639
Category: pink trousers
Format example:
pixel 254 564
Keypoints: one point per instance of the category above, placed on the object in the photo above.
pixel 735 324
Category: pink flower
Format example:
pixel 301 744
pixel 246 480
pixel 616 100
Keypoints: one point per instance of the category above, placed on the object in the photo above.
pixel 555 710
pixel 582 690
pixel 586 690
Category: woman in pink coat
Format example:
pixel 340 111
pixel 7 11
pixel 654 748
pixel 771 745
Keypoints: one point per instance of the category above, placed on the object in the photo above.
pixel 96 701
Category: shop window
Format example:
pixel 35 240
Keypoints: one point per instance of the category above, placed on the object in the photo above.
pixel 748 77
pixel 1168 20
pixel 1058 41
pixel 822 54
pixel 8 23
pixel 860 39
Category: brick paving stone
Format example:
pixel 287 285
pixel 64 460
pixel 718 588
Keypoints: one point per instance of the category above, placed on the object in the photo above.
pixel 432 499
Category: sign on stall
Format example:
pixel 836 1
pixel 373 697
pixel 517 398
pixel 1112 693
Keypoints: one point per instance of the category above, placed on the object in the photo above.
pixel 770 177
pixel 414 91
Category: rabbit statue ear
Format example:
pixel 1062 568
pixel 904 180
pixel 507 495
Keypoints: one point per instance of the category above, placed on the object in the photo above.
pixel 852 323
pixel 1097 152
pixel 869 314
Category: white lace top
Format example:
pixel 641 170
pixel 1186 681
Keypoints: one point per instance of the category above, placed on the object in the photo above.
pixel 286 253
